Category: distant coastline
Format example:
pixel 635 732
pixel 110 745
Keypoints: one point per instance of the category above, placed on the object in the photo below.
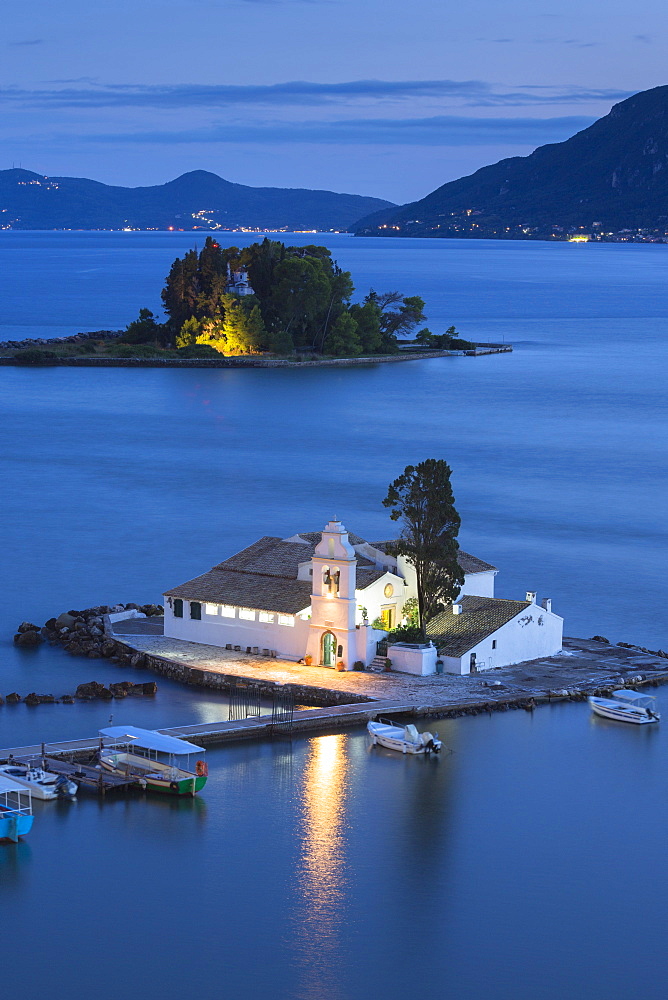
pixel 249 361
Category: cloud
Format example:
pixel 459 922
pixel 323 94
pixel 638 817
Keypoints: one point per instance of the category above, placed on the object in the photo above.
pixel 28 41
pixel 442 130
pixel 473 93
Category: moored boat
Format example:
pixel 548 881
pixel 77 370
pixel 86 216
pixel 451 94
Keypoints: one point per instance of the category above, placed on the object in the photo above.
pixel 42 783
pixel 16 816
pixel 149 756
pixel 405 739
pixel 627 706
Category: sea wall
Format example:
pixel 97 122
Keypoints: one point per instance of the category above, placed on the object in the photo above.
pixel 250 361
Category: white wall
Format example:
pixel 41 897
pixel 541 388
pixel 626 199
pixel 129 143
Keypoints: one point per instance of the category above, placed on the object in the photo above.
pixel 530 635
pixel 373 599
pixel 479 584
pixel 413 660
pixel 289 641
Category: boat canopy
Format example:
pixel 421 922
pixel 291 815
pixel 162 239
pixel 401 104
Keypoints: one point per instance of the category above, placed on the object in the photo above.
pixel 149 739
pixel 634 698
pixel 9 785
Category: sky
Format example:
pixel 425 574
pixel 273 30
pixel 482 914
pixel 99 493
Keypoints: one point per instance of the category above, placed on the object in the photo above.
pixel 376 97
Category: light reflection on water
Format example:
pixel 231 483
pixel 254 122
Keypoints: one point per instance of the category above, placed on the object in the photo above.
pixel 321 873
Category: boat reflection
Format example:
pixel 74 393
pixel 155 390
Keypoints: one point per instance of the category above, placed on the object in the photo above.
pixel 322 868
pixel 14 859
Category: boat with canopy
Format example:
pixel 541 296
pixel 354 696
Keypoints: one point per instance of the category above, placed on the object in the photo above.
pixel 16 816
pixel 150 756
pixel 627 706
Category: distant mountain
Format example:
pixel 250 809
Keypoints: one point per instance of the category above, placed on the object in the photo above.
pixel 609 177
pixel 196 200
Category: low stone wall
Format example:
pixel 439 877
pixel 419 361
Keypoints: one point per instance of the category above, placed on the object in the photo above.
pixel 195 677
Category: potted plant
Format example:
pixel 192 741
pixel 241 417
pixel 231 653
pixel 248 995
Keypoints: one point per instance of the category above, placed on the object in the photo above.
pixel 340 665
pixel 308 659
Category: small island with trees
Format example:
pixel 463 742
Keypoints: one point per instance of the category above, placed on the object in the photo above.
pixel 267 301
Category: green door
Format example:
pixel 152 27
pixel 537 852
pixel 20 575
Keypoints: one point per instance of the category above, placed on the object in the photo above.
pixel 328 649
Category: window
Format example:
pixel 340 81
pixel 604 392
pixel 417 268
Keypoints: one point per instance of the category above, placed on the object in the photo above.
pixel 286 620
pixel 249 616
pixel 266 616
pixel 493 643
pixel 196 611
pixel 228 611
pixel 178 607
pixel 211 609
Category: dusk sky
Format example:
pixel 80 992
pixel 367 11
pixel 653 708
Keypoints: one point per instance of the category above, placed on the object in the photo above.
pixel 379 97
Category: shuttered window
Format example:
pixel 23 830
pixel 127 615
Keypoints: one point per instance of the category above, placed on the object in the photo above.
pixel 178 607
pixel 196 610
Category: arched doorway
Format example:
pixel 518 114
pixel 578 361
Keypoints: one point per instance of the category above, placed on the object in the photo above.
pixel 328 649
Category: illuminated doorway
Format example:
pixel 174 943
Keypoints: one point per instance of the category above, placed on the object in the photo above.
pixel 388 616
pixel 328 649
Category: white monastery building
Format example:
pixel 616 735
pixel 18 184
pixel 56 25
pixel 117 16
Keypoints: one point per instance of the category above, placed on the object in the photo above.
pixel 312 597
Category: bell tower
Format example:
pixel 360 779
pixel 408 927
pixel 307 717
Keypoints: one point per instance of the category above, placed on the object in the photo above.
pixel 332 635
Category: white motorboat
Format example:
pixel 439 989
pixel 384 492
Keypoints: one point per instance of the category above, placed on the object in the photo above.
pixel 42 783
pixel 627 706
pixel 405 739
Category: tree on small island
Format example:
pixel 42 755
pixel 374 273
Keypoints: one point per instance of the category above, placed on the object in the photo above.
pixel 421 498
pixel 300 301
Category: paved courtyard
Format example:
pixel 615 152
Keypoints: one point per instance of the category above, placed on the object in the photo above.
pixel 584 665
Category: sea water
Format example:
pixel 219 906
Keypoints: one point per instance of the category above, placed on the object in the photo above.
pixel 317 868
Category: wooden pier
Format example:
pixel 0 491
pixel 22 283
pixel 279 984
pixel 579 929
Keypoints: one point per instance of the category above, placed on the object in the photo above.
pixel 94 779
pixel 206 734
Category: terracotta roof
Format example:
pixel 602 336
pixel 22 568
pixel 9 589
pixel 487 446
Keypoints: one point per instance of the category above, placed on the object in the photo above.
pixel 270 556
pixel 247 590
pixel 471 564
pixel 454 635
pixel 264 575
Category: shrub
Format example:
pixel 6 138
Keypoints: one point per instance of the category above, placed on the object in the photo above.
pixel 358 665
pixel 135 351
pixel 405 633
pixel 457 344
pixel 198 351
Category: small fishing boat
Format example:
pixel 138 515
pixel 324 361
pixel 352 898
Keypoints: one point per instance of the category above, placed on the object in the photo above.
pixel 627 706
pixel 405 739
pixel 42 783
pixel 149 756
pixel 15 809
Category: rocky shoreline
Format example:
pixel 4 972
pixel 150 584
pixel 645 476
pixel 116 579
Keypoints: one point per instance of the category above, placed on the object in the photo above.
pixel 74 338
pixel 83 633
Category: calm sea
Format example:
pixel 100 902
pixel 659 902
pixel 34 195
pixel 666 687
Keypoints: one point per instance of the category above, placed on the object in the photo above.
pixel 518 866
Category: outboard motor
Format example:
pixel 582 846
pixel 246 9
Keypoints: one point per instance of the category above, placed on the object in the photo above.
pixel 65 787
pixel 432 744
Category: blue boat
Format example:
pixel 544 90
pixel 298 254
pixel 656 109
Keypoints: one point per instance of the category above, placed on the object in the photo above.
pixel 15 809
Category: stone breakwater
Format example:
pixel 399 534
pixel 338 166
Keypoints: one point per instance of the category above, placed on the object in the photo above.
pixel 75 338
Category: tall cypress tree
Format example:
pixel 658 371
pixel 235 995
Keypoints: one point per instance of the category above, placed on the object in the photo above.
pixel 421 498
